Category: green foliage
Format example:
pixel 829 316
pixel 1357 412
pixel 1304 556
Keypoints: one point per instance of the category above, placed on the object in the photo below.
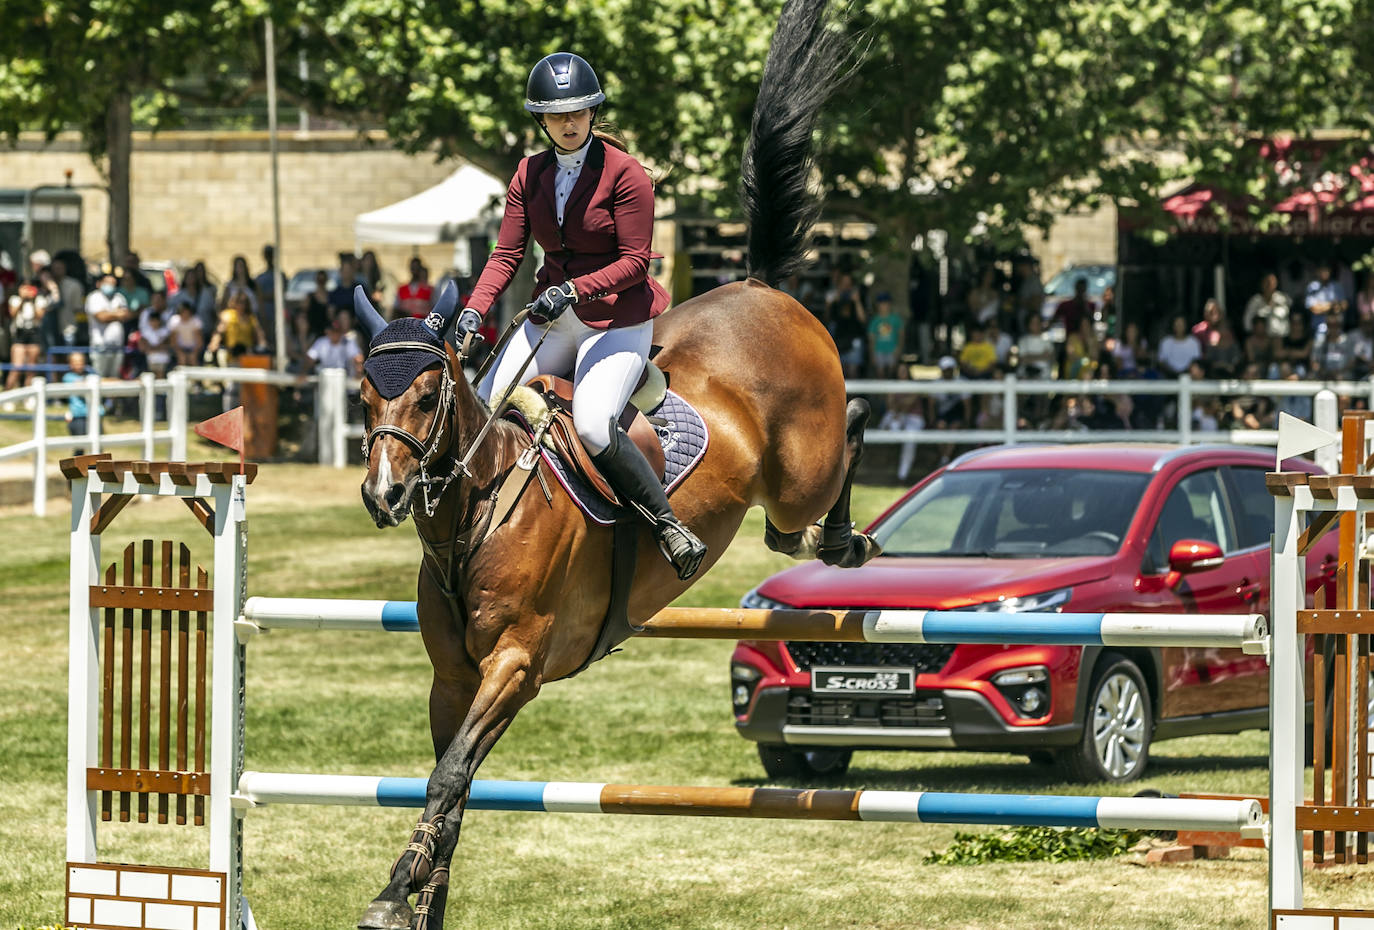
pixel 1036 844
pixel 63 62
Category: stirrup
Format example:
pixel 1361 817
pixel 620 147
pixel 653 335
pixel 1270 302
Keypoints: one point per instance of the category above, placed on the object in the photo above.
pixel 680 546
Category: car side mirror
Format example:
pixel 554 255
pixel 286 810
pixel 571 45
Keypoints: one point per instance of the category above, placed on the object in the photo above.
pixel 1188 556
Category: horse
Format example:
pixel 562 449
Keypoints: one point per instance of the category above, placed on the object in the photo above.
pixel 504 610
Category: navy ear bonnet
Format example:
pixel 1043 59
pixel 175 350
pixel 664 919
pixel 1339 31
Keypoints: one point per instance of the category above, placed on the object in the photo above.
pixel 392 372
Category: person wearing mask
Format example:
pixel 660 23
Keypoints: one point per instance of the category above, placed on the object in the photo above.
pixel 590 205
pixel 106 313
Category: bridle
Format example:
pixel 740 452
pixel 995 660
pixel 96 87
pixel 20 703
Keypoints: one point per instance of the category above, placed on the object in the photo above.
pixel 426 449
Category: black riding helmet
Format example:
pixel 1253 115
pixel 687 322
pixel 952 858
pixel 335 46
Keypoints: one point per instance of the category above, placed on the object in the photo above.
pixel 562 83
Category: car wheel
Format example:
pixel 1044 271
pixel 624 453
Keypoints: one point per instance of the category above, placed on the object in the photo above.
pixel 1115 744
pixel 786 762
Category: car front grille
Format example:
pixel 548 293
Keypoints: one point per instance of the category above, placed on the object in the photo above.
pixel 811 710
pixel 923 657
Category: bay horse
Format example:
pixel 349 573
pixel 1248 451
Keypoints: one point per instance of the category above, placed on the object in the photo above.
pixel 503 611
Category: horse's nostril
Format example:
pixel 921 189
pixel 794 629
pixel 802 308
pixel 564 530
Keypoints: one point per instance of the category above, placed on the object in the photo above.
pixel 395 493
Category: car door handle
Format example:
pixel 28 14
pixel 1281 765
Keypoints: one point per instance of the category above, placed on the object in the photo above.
pixel 1248 591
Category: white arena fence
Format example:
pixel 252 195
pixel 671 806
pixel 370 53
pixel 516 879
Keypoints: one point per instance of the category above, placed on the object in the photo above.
pixel 335 432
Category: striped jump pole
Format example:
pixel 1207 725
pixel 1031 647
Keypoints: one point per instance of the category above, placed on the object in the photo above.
pixel 1249 632
pixel 1242 816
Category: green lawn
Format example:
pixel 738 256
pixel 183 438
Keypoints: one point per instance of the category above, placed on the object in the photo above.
pixel 656 713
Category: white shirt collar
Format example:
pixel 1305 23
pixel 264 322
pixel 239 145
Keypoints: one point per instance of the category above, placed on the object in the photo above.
pixel 574 159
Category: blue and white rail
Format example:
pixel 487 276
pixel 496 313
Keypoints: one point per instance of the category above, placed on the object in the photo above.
pixel 1249 632
pixel 256 788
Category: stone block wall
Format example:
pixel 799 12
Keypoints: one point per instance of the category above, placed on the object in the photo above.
pixel 207 196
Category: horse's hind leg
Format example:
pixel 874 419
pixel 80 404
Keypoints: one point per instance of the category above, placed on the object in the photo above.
pixel 799 545
pixel 839 544
pixel 422 867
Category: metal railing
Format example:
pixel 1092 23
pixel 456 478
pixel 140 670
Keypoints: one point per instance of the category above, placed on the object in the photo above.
pixel 1184 390
pixel 331 388
pixel 95 391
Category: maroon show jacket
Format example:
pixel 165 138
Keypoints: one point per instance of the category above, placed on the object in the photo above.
pixel 602 247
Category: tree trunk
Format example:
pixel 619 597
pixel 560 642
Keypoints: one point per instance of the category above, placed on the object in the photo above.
pixel 892 271
pixel 119 144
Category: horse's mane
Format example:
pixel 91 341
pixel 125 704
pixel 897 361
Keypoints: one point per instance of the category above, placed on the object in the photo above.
pixel 806 63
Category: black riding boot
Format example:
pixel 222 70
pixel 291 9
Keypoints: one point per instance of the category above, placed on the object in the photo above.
pixel 625 467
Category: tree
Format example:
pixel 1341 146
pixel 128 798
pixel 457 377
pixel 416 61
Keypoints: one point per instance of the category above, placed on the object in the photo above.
pixel 987 116
pixel 978 117
pixel 99 66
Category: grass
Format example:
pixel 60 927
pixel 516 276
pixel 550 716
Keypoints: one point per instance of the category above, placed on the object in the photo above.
pixel 656 713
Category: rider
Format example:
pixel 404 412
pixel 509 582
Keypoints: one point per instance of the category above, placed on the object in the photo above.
pixel 590 205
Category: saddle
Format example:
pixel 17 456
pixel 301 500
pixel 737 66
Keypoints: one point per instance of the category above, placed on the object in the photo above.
pixel 562 436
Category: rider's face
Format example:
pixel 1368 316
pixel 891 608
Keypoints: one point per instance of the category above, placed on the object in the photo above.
pixel 569 130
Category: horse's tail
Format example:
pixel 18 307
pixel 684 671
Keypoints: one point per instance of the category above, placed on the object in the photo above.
pixel 806 63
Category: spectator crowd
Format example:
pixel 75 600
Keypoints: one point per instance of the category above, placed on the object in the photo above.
pixel 118 321
pixel 1301 324
pixel 60 319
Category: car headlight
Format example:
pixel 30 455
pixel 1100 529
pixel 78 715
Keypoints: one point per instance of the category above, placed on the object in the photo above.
pixel 756 601
pixel 1031 603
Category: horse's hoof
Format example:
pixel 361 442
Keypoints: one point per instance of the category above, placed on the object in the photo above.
pixel 386 915
pixel 860 548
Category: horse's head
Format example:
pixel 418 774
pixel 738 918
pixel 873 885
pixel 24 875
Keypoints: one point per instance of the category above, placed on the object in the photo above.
pixel 410 380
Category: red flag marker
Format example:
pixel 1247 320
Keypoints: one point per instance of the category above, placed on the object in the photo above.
pixel 227 430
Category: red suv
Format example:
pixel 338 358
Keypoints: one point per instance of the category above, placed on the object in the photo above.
pixel 1080 529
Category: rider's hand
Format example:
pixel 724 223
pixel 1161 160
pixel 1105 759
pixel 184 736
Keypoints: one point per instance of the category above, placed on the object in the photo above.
pixel 551 304
pixel 469 321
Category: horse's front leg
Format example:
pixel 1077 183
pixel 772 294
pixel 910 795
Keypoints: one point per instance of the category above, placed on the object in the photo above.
pixel 506 685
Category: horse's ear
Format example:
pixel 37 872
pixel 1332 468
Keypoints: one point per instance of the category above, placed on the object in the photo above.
pixel 441 318
pixel 367 314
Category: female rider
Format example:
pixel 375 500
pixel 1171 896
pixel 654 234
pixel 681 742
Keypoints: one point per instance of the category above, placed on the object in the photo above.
pixel 590 205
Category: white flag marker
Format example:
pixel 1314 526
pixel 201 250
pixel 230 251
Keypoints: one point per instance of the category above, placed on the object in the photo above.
pixel 1298 437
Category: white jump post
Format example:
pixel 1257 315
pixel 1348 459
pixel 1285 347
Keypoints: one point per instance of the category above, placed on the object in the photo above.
pixel 100 489
pixel 40 446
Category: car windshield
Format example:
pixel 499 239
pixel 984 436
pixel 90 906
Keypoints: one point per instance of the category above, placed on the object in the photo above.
pixel 1099 277
pixel 1015 513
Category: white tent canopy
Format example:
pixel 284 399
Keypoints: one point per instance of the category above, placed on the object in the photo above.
pixel 464 201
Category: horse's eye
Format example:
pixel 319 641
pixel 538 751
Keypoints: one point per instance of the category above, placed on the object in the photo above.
pixel 429 401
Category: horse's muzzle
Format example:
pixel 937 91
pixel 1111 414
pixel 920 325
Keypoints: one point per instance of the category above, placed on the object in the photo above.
pixel 392 507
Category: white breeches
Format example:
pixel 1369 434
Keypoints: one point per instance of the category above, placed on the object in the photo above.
pixel 605 365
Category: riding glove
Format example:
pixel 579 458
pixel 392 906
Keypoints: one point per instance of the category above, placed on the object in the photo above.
pixel 469 321
pixel 551 304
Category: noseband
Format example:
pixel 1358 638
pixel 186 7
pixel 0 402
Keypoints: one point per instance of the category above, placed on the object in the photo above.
pixel 427 448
